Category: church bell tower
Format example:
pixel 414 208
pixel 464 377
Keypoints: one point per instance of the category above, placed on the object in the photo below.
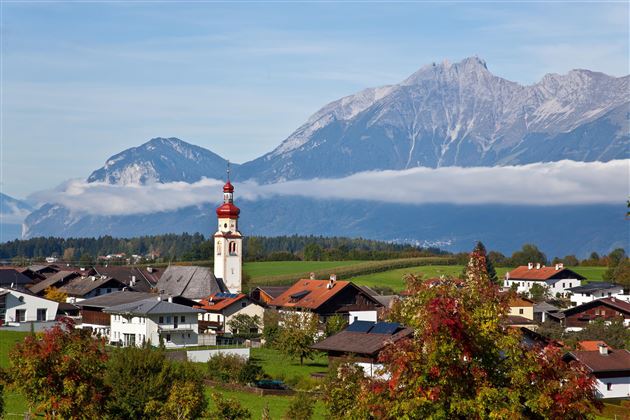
pixel 228 241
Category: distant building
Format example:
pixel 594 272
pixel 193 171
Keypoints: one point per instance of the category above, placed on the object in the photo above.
pixel 57 280
pixel 362 342
pixel 542 311
pixel 611 369
pixel 556 279
pixel 595 290
pixel 154 320
pixel 81 288
pixel 137 278
pixel 522 307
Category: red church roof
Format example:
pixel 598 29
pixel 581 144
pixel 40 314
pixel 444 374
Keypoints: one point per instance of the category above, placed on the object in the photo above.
pixel 228 210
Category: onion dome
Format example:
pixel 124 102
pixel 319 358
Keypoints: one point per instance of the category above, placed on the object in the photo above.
pixel 228 187
pixel 228 210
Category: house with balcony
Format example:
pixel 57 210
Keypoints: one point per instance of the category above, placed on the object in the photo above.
pixel 154 320
pixel 220 308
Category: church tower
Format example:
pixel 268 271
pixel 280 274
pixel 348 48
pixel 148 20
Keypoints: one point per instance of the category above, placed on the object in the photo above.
pixel 228 242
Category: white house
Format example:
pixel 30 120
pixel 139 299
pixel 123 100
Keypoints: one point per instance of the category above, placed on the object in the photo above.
pixel 220 308
pixel 611 369
pixel 17 307
pixel 153 320
pixel 557 280
pixel 594 290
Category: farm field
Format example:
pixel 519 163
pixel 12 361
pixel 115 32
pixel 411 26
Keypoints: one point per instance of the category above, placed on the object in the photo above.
pixel 276 268
pixel 394 278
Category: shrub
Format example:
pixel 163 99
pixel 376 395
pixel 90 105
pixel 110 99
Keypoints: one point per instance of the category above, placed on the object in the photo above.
pixel 233 368
pixel 301 407
pixel 227 409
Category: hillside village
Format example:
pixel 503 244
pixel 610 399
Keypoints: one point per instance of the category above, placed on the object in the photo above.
pixel 197 311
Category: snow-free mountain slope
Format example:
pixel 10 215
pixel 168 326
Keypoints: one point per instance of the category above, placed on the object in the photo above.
pixel 161 160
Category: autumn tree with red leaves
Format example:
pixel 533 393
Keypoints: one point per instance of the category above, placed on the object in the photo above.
pixel 60 371
pixel 463 363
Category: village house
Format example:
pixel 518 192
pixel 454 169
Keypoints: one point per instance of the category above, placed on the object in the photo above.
pixel 265 294
pixel 18 306
pixel 327 298
pixel 521 313
pixel 56 280
pixel 610 367
pixel 138 278
pixel 542 311
pixel 221 308
pixel 595 290
pixel 362 342
pixel 153 320
pixel 557 279
pixel 606 309
pixel 81 288
pixel 12 277
pixel 94 318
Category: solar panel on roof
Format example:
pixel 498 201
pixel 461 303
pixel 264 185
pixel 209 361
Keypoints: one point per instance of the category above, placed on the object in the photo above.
pixel 360 326
pixel 385 328
pixel 300 295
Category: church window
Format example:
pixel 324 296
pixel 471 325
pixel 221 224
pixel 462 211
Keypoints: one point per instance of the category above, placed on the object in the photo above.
pixel 218 248
pixel 233 248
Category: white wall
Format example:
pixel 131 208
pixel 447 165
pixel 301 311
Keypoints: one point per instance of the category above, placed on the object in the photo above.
pixel 555 286
pixel 146 328
pixel 15 301
pixel 620 387
pixel 362 316
pixel 581 298
pixel 205 355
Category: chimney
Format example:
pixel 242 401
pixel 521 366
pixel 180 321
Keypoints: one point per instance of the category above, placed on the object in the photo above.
pixel 159 298
pixel 537 266
pixel 561 266
pixel 170 299
pixel 333 277
pixel 133 280
pixel 330 284
pixel 603 349
pixel 150 269
pixel 312 276
pixel 530 266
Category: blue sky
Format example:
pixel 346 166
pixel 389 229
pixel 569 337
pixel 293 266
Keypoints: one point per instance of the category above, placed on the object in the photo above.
pixel 83 81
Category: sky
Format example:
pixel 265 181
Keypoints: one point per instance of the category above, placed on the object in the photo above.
pixel 82 81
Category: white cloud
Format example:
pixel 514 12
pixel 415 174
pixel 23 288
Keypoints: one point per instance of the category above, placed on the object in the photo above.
pixel 557 183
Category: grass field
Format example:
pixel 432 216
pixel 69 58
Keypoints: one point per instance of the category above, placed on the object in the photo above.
pixel 277 268
pixel 394 278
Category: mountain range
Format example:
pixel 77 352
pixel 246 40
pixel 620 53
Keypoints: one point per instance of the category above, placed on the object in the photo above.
pixel 444 114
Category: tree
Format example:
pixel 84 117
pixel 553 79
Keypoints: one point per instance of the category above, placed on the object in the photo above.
pixel 61 371
pixel 52 293
pixel 227 409
pixel 271 328
pixel 255 249
pixel 570 261
pixel 334 324
pixel 461 362
pixel 301 407
pixel 86 260
pixel 539 293
pixel 615 258
pixel 312 252
pixel 297 334
pixel 613 332
pixel 497 259
pixel 245 326
pixel 340 388
pixel 186 401
pixel 143 380
pixel 621 275
pixel 481 250
pixel 68 254
pixel 529 253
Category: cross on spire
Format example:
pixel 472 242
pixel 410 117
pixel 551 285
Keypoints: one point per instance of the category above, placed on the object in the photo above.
pixel 228 171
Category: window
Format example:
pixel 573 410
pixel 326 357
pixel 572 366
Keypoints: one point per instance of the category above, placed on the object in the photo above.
pixel 109 290
pixel 243 304
pixel 20 315
pixel 356 318
pixel 168 319
pixel 182 319
pixel 168 338
pixel 161 320
pixel 188 335
pixel 608 386
pixel 521 311
pixel 232 248
pixel 564 286
pixel 218 248
pixel 41 314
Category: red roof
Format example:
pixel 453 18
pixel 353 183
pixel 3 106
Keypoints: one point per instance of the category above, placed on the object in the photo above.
pixel 228 187
pixel 523 272
pixel 591 345
pixel 216 302
pixel 309 294
pixel 228 210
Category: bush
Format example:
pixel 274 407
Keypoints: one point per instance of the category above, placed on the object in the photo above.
pixel 231 368
pixel 301 407
pixel 227 409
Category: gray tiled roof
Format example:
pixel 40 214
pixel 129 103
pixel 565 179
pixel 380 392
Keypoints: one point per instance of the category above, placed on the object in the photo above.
pixel 81 286
pixel 592 287
pixel 151 306
pixel 191 282
pixel 58 277
pixel 116 298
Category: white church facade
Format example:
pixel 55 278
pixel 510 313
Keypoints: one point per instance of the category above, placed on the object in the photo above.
pixel 228 242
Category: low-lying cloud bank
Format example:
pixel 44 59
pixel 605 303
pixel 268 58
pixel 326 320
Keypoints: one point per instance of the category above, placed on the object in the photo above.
pixel 555 183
